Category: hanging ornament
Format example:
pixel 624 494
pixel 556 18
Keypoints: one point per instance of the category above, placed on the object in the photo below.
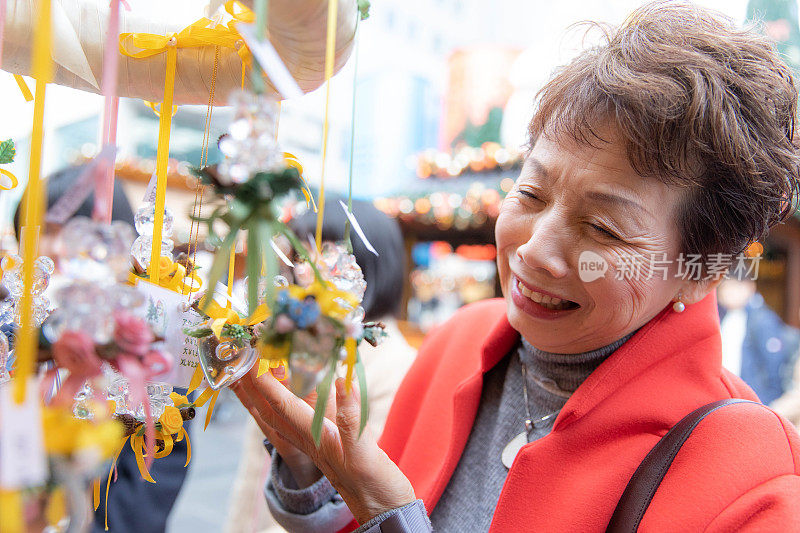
pixel 10 309
pixel 226 340
pixel 249 146
pixel 142 247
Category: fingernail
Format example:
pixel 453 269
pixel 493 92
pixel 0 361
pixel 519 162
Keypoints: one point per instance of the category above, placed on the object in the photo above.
pixel 278 372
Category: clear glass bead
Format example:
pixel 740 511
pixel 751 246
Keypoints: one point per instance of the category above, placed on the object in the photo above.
pixel 144 220
pixel 142 247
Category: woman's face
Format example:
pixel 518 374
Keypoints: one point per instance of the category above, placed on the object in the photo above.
pixel 574 209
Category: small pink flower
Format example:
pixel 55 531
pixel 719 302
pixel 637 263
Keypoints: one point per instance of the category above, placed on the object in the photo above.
pixel 132 334
pixel 74 351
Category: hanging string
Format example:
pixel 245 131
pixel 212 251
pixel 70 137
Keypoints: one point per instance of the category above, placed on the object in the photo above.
pixel 34 201
pixel 194 229
pixel 347 242
pixel 330 49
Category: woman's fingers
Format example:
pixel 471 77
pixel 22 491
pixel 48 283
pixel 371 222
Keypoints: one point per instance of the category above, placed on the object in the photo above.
pixel 284 405
pixel 348 419
pixel 270 423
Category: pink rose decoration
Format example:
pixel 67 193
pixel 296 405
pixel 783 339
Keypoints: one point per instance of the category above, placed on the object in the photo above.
pixel 156 363
pixel 132 334
pixel 74 351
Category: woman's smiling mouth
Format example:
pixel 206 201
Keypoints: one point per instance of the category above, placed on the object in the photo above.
pixel 538 303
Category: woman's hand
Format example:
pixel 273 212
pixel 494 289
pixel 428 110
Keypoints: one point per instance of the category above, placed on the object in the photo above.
pixel 303 469
pixel 368 481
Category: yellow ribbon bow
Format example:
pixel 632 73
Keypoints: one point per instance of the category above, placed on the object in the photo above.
pixel 240 13
pixel 220 316
pixel 172 276
pixel 13 178
pixel 291 161
pixel 203 32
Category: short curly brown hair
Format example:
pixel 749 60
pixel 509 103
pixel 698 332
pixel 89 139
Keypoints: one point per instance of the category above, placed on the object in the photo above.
pixel 701 104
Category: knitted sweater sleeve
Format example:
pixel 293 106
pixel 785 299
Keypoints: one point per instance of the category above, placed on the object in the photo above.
pixel 319 508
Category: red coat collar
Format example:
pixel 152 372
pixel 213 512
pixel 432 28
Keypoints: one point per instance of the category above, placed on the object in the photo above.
pixel 434 410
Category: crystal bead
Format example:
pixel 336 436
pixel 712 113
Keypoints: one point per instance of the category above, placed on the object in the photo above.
pixel 142 247
pixel 145 219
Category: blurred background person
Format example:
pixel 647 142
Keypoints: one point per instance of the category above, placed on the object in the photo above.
pixel 756 345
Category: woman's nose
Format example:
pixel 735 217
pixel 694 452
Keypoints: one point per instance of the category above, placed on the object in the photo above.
pixel 546 246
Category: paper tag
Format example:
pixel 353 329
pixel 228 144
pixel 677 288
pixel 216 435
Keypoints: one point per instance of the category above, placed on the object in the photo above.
pixel 271 62
pixel 22 459
pixel 150 193
pixel 357 227
pixel 164 312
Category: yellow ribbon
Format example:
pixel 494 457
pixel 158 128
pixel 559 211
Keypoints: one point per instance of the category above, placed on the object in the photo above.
pixel 12 177
pixel 110 473
pixel 203 32
pixel 240 13
pixel 330 50
pixel 220 316
pixel 291 161
pixel 23 87
pixel 172 276
pixel 11 511
pixel 210 410
pixel 156 108
pixel 273 356
pixel 350 346
pixel 27 337
pixel 197 378
pixel 56 507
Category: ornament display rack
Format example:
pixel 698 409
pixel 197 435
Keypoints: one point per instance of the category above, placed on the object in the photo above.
pixel 130 313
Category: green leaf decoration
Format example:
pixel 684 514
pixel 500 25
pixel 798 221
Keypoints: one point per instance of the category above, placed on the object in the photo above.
pixel 7 152
pixel 362 385
pixel 236 332
pixel 221 259
pixel 323 390
pixel 254 254
pixel 363 9
pixel 199 333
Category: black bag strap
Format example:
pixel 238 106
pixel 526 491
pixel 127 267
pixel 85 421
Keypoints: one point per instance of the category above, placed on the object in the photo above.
pixel 648 476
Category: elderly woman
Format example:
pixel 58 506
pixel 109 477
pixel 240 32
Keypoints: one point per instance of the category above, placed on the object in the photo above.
pixel 671 140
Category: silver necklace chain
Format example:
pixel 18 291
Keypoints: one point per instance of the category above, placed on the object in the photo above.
pixel 530 424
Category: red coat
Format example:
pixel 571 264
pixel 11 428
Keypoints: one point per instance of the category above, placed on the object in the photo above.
pixel 738 470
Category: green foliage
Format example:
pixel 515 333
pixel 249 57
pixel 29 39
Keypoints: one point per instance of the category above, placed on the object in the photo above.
pixel 198 333
pixel 363 9
pixel 236 332
pixel 7 152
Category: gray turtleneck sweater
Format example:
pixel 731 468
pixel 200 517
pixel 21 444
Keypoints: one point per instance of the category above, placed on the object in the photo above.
pixel 466 505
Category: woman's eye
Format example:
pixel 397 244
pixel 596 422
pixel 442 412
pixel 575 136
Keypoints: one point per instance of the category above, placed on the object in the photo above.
pixel 604 232
pixel 528 194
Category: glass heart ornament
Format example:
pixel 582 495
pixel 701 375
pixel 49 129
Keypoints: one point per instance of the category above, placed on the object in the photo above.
pixel 225 361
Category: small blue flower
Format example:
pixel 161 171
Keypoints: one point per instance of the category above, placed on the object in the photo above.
pixel 304 313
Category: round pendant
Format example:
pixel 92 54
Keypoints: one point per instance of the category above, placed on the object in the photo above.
pixel 512 449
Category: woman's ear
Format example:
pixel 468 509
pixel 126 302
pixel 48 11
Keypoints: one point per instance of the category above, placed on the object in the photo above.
pixel 693 291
